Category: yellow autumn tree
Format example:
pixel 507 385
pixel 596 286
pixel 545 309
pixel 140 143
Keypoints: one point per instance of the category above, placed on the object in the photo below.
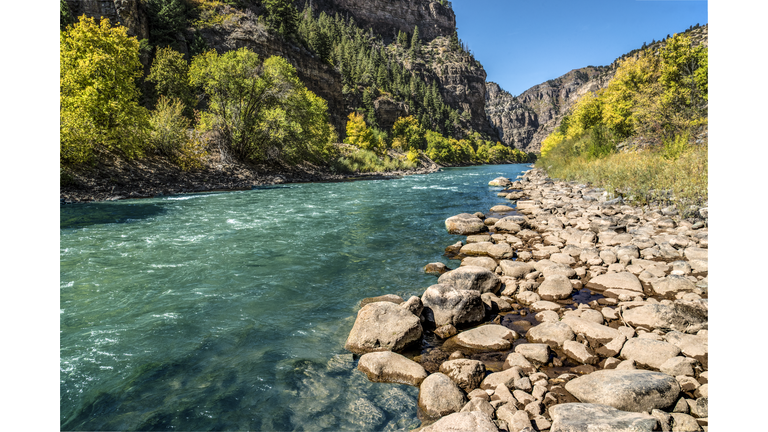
pixel 99 64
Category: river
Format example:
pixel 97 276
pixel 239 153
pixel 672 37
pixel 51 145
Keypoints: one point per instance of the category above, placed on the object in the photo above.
pixel 229 311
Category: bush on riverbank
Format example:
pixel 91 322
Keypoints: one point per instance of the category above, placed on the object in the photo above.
pixel 659 99
pixel 366 161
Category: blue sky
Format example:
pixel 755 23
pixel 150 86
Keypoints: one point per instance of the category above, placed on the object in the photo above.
pixel 524 43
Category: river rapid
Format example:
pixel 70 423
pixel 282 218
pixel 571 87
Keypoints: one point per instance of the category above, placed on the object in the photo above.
pixel 229 311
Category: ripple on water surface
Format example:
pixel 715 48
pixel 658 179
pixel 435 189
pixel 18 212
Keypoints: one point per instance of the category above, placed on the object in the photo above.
pixel 229 311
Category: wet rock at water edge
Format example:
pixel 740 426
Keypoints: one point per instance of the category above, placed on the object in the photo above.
pixel 501 208
pixel 466 373
pixel 587 417
pixel 472 278
pixel 476 421
pixel 389 367
pixel 439 396
pixel 465 224
pixel 500 181
pixel 490 337
pixel 445 304
pixel 392 298
pixel 383 326
pixel 626 390
pixel 436 268
pixel 485 262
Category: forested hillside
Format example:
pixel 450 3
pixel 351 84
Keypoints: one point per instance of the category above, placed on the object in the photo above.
pixel 263 82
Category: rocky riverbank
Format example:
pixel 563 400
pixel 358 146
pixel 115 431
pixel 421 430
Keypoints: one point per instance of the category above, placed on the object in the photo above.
pixel 114 178
pixel 568 312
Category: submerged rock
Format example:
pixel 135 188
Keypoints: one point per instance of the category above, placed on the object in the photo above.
pixel 476 421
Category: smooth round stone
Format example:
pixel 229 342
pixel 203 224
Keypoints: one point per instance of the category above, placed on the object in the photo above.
pixel 389 367
pixel 436 268
pixel 464 224
pixel 543 305
pixel 547 316
pixel 440 396
pixel 501 208
pixel 648 352
pixel 626 390
pixel 507 225
pixel 487 263
pixel 500 181
pixel 392 298
pixel 490 337
pixel 515 269
pixel 624 280
pixel 534 351
pixel 555 287
pixel 472 278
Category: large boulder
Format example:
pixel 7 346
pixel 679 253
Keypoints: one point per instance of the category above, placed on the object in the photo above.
pixel 587 417
pixel 383 326
pixel 464 224
pixel 445 304
pixel 555 287
pixel 648 352
pixel 440 396
pixel 507 225
pixel 389 367
pixel 472 278
pixel 476 421
pixel 626 390
pixel 489 337
pixel 533 351
pixel 485 262
pixel 466 373
pixel 623 280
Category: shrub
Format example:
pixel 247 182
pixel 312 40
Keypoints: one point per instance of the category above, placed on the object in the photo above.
pixel 170 74
pixel 169 126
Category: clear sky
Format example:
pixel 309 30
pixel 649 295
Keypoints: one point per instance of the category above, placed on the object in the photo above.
pixel 522 43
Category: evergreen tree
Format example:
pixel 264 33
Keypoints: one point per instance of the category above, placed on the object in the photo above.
pixel 282 16
pixel 454 42
pixel 415 43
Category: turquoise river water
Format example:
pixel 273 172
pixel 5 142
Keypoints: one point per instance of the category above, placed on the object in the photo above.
pixel 229 311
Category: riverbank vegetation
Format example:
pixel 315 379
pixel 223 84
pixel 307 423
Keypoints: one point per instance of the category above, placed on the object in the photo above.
pixel 644 135
pixel 256 110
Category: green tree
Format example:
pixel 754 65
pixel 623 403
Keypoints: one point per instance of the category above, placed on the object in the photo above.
pixel 407 134
pixel 263 111
pixel 415 43
pixel 98 95
pixel 65 15
pixel 282 16
pixel 170 74
pixel 167 19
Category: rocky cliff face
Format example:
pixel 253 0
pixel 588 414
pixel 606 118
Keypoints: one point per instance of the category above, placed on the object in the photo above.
pixel 126 12
pixel 386 17
pixel 524 121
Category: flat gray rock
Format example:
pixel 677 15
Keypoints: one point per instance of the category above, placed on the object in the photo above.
pixel 507 225
pixel 553 334
pixel 587 417
pixel 626 390
pixel 678 316
pixel 472 278
pixel 487 263
pixel 440 396
pixel 648 352
pixel 672 284
pixel 490 337
pixel 383 326
pixel 594 332
pixel 389 367
pixel 506 377
pixel 534 351
pixel 476 249
pixel 446 304
pixel 464 224
pixel 623 280
pixel 476 421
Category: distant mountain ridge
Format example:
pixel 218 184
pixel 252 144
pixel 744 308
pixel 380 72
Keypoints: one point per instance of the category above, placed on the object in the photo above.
pixel 525 120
